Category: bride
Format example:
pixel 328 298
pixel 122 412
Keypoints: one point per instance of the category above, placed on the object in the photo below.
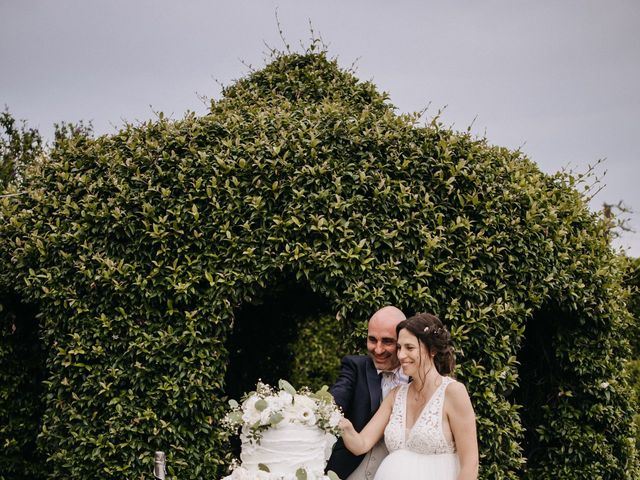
pixel 428 425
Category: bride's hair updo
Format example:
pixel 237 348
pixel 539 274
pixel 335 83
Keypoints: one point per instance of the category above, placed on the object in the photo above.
pixel 431 332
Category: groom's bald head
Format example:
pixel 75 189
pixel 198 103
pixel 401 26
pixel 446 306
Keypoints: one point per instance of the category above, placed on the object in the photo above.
pixel 381 337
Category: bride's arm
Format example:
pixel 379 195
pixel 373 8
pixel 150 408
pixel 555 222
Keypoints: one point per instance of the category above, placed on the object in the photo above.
pixel 359 443
pixel 462 421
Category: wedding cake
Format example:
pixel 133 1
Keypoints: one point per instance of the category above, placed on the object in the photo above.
pixel 285 435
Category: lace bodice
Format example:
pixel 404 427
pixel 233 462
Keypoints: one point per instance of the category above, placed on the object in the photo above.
pixel 427 435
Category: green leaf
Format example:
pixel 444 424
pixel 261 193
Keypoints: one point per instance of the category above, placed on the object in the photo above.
pixel 261 404
pixel 275 418
pixel 286 386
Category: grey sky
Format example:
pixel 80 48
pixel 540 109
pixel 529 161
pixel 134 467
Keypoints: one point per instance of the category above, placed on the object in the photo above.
pixel 560 79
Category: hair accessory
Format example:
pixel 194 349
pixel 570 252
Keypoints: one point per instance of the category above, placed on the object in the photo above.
pixel 434 331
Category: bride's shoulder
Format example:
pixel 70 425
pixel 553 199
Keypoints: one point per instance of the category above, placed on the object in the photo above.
pixel 456 397
pixel 455 388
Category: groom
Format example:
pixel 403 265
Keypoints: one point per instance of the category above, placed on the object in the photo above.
pixel 363 382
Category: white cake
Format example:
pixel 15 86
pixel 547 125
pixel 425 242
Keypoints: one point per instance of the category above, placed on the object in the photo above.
pixel 285 435
pixel 286 448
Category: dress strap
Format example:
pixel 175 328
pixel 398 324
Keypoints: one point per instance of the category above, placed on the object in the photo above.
pixel 438 410
pixel 446 381
pixel 401 408
pixel 400 401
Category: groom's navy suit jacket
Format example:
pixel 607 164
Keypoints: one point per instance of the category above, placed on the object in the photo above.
pixel 358 392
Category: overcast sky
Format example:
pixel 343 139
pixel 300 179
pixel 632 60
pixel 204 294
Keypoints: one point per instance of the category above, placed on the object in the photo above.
pixel 558 78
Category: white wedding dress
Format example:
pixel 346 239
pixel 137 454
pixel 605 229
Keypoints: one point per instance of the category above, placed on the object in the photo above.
pixel 422 452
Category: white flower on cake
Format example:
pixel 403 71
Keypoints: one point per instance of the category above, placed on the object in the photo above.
pixel 334 419
pixel 285 398
pixel 251 414
pixel 303 409
pixel 286 435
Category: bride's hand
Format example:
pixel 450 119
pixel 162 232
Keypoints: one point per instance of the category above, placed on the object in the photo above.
pixel 352 439
pixel 345 425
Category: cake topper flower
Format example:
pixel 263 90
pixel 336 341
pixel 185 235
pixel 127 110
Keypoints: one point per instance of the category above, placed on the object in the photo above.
pixel 266 407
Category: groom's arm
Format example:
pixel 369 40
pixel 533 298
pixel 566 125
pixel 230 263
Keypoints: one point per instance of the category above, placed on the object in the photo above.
pixel 345 386
pixel 342 461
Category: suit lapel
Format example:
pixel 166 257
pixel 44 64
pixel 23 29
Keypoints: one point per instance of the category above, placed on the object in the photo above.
pixel 375 389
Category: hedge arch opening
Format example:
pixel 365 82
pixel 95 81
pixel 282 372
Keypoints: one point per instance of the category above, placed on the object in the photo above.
pixel 264 331
pixel 22 371
pixel 539 374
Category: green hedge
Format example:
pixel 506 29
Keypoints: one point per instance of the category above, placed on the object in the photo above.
pixel 139 249
pixel 19 147
pixel 317 352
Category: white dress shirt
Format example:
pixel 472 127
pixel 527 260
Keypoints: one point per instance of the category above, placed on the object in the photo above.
pixel 391 379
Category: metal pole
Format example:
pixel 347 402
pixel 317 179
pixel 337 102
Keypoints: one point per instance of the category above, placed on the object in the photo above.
pixel 159 468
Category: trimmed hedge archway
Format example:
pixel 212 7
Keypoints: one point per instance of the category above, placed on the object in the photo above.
pixel 140 248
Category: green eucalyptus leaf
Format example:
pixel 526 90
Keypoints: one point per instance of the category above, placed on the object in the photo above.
pixel 275 418
pixel 286 386
pixel 261 404
pixel 332 475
